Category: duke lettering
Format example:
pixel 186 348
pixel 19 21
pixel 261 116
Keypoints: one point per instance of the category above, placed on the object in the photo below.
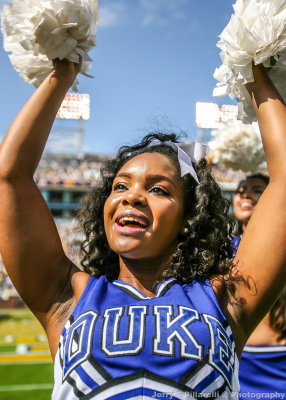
pixel 170 328
pixel 112 345
pixel 123 331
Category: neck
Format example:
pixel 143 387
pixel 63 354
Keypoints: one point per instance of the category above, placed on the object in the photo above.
pixel 244 225
pixel 142 274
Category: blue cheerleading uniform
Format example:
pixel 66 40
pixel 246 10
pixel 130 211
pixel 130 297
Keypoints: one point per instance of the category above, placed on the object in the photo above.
pixel 263 372
pixel 235 240
pixel 120 344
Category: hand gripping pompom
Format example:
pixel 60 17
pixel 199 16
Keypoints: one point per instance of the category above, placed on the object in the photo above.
pixel 36 32
pixel 255 33
pixel 238 146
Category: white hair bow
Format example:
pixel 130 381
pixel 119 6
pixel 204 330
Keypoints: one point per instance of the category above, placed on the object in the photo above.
pixel 188 153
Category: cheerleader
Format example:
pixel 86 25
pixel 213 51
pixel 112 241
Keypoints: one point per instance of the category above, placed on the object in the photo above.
pixel 159 309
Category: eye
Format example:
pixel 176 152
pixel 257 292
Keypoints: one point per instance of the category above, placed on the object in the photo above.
pixel 120 187
pixel 240 191
pixel 159 190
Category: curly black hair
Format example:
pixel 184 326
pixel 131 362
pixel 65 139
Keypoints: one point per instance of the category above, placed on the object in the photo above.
pixel 203 250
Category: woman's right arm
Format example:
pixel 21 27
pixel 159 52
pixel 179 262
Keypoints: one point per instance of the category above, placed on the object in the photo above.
pixel 29 242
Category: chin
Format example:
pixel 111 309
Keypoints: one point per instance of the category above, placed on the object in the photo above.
pixel 131 252
pixel 245 217
pixel 132 255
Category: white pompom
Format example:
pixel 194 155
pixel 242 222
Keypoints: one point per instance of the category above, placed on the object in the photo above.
pixel 36 32
pixel 238 146
pixel 255 33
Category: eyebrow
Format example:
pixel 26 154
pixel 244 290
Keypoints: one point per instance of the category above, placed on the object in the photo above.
pixel 149 177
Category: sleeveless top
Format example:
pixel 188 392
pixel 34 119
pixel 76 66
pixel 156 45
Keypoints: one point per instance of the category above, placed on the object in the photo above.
pixel 235 240
pixel 120 344
pixel 268 365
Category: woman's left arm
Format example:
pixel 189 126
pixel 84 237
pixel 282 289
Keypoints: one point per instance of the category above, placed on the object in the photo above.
pixel 261 255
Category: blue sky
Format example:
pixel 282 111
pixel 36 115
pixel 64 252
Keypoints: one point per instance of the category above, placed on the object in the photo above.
pixel 153 61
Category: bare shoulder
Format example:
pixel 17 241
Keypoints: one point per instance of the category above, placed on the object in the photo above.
pixel 79 280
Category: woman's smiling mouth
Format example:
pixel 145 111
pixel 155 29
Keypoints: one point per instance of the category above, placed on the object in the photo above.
pixel 130 223
pixel 246 205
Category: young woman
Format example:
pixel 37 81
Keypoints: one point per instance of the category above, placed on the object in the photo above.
pixel 263 360
pixel 165 313
pixel 244 201
pixel 247 194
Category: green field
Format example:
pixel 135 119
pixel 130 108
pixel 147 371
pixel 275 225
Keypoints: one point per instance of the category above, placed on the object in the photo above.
pixel 26 370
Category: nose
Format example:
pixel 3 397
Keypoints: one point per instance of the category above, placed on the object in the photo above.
pixel 133 198
pixel 245 194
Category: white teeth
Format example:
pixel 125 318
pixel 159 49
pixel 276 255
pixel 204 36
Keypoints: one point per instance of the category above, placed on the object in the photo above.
pixel 130 219
pixel 246 204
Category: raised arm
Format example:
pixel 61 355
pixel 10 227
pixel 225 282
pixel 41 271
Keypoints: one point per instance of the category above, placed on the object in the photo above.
pixel 261 256
pixel 29 241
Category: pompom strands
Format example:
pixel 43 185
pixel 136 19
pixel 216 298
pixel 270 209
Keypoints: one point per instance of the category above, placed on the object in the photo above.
pixel 255 33
pixel 238 146
pixel 36 32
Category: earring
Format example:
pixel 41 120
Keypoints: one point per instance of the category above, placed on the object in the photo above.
pixel 186 230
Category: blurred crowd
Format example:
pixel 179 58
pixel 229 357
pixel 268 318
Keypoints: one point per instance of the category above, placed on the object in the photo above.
pixel 68 171
pixel 227 175
pixel 7 289
pixel 84 170
pixel 71 237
